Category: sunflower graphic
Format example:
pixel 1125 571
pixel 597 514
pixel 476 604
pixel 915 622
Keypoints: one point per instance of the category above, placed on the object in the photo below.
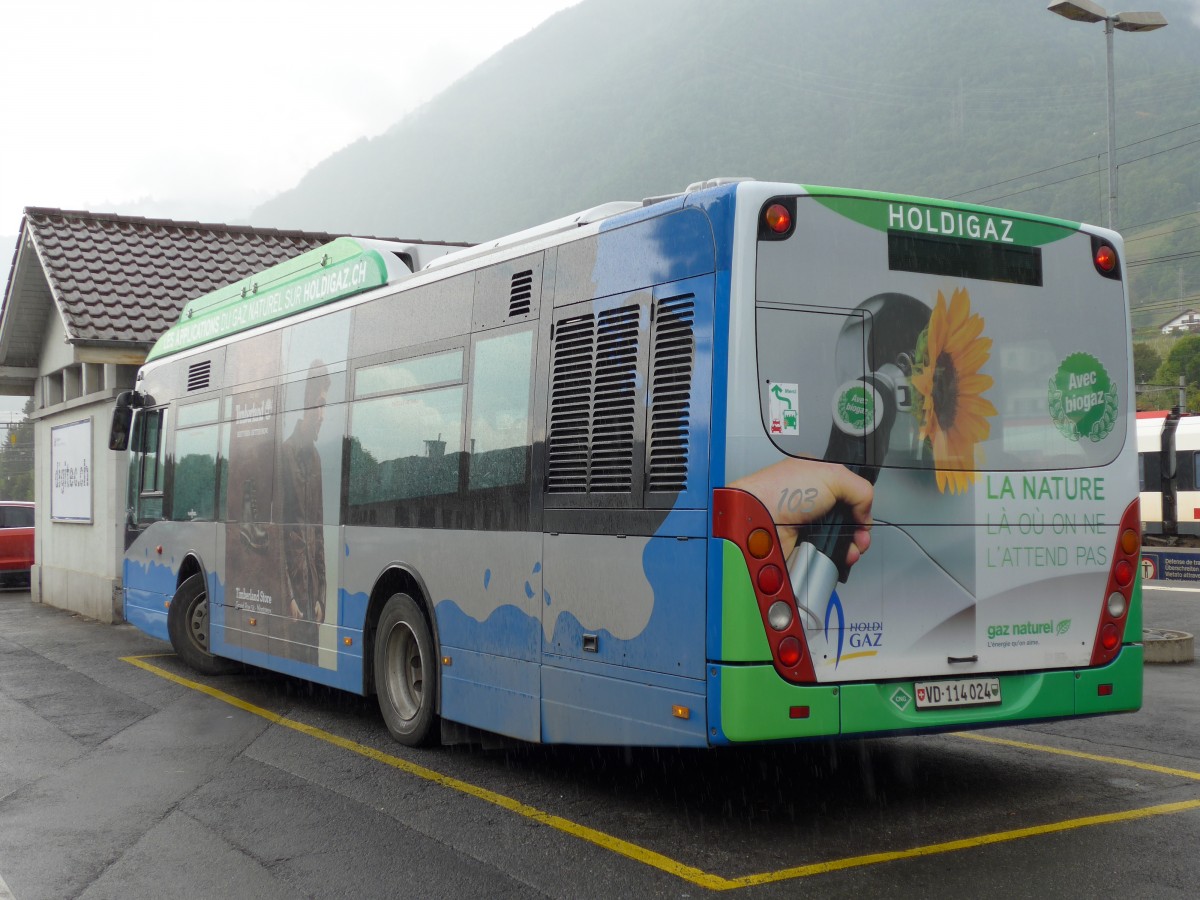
pixel 953 413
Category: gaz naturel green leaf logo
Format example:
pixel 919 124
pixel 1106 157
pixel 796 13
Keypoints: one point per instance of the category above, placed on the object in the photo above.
pixel 1063 627
pixel 1082 399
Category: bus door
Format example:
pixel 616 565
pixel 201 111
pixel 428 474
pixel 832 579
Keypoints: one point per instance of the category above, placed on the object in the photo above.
pixel 148 580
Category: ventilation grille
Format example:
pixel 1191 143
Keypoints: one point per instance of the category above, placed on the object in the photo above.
pixel 521 293
pixel 573 358
pixel 672 358
pixel 198 376
pixel 615 402
pixel 593 403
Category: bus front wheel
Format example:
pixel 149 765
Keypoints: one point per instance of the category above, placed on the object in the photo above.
pixel 187 625
pixel 405 677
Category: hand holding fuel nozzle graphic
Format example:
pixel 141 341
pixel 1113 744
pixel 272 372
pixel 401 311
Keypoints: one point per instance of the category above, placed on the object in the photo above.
pixel 803 492
pixel 831 499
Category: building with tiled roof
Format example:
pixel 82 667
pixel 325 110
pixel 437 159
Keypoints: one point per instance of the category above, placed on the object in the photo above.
pixel 87 296
pixel 115 283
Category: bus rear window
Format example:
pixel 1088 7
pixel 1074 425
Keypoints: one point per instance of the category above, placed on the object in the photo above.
pixel 983 260
pixel 951 352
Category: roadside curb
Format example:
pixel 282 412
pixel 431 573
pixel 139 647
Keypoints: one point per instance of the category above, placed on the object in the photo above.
pixel 1163 645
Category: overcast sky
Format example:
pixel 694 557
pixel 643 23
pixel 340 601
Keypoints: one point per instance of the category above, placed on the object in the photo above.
pixel 202 111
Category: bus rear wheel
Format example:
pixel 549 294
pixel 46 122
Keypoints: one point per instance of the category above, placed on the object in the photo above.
pixel 187 625
pixel 405 677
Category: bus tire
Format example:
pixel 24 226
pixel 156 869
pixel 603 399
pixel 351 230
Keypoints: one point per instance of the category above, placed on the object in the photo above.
pixel 188 627
pixel 405 673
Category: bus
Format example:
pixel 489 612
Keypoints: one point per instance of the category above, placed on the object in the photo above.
pixel 753 462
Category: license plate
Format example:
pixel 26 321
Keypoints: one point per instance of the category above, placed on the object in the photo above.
pixel 960 692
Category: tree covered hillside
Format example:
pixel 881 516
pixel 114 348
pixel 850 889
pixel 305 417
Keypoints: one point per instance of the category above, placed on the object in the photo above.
pixel 999 103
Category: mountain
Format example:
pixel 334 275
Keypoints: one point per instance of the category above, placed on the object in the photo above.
pixel 622 99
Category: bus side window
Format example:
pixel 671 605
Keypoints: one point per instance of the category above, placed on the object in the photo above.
pixel 150 465
pixel 500 402
pixel 193 462
pixel 406 441
pixel 498 437
pixel 194 481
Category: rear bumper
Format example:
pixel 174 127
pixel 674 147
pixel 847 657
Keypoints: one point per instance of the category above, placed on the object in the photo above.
pixel 752 703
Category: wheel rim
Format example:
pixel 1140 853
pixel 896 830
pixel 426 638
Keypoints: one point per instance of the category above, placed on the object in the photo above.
pixel 405 675
pixel 198 624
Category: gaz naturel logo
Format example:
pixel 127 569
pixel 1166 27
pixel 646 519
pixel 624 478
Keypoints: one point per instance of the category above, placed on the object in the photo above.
pixel 1025 634
pixel 1083 399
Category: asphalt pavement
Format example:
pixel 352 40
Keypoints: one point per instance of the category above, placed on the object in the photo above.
pixel 135 778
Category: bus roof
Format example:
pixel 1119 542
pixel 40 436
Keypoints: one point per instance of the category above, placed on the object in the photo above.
pixel 349 266
pixel 341 268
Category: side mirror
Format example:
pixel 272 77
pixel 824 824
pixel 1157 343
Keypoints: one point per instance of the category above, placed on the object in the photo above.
pixel 122 420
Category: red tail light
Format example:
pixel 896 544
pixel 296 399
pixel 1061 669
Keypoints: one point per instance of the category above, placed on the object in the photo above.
pixel 777 218
pixel 740 517
pixel 1110 631
pixel 1105 259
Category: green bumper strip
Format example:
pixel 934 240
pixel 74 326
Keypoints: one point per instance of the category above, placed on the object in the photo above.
pixel 757 705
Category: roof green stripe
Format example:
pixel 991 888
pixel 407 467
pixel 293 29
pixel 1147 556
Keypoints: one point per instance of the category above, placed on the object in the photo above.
pixel 331 272
pixel 902 212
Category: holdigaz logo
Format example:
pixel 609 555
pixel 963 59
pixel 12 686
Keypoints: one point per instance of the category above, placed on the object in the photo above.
pixel 954 223
pixel 864 638
pixel 1082 398
pixel 1025 630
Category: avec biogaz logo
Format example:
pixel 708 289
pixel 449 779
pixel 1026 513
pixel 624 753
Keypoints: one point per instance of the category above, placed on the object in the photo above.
pixel 1082 399
pixel 1026 629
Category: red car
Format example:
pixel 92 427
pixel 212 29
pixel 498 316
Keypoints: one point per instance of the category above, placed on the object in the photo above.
pixel 16 542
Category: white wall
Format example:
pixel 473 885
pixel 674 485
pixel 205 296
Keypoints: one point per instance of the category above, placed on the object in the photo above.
pixel 78 564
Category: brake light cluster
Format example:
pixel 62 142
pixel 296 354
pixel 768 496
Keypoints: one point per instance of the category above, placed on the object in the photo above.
pixel 741 518
pixel 1122 575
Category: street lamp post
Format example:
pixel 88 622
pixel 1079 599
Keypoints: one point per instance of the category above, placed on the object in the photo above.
pixel 1087 11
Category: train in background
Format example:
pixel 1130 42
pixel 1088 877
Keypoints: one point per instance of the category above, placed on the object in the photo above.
pixel 1168 458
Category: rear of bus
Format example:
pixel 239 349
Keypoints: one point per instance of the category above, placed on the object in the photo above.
pixel 973 366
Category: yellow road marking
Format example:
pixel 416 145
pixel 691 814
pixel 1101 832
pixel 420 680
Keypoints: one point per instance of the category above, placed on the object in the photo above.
pixel 663 863
pixel 963 844
pixel 1093 757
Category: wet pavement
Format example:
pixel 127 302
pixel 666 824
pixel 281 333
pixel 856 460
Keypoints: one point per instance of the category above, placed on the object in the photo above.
pixel 142 779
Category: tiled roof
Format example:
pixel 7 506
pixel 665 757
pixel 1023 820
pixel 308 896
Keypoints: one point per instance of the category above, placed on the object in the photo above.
pixel 125 278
